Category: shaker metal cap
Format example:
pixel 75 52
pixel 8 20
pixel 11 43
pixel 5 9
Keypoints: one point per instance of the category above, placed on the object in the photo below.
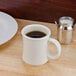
pixel 66 22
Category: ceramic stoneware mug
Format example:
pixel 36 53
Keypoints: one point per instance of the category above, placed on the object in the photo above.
pixel 35 44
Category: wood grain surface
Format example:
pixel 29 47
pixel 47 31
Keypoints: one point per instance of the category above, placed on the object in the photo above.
pixel 39 10
pixel 11 63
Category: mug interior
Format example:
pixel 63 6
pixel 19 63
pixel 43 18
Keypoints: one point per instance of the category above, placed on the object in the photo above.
pixel 36 27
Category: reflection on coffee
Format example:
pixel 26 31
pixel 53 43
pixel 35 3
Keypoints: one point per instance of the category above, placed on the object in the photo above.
pixel 36 34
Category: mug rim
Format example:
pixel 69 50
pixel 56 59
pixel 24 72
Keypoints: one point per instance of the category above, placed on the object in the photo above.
pixel 35 25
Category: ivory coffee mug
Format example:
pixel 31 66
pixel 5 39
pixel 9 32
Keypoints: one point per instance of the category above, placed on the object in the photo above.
pixel 35 44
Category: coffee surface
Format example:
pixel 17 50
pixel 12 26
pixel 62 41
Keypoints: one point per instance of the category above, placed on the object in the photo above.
pixel 36 34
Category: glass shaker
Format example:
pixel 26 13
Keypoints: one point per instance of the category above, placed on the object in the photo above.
pixel 65 30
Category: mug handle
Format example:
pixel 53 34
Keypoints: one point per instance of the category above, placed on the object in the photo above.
pixel 58 49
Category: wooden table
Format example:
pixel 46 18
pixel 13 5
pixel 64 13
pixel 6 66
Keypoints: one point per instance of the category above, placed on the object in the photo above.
pixel 11 63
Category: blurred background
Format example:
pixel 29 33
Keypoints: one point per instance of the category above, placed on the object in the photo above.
pixel 39 10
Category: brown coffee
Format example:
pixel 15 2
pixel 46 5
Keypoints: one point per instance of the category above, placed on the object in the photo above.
pixel 36 34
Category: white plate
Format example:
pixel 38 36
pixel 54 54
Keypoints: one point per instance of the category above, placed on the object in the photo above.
pixel 8 27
